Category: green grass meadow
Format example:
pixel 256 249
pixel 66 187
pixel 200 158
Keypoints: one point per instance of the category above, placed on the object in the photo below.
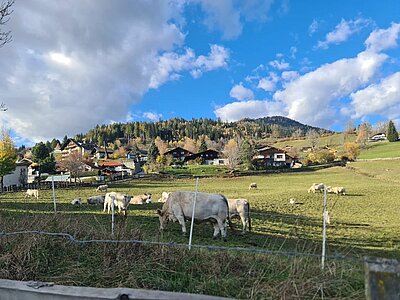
pixel 364 222
pixel 382 149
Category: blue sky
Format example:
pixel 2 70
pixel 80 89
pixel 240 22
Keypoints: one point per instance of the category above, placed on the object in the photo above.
pixel 322 63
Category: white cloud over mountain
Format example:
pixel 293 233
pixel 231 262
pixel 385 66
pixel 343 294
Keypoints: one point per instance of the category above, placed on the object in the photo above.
pixel 316 97
pixel 241 93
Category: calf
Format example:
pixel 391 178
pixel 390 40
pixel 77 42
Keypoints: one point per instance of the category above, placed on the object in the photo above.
pixel 141 199
pixel 164 197
pixel 102 188
pixel 76 201
pixel 32 193
pixel 95 200
pixel 338 190
pixel 120 200
pixel 316 187
pixel 240 208
pixel 253 186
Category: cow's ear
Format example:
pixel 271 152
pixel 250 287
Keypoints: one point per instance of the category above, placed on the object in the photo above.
pixel 159 212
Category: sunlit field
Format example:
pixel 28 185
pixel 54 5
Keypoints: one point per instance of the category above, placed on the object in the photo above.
pixel 363 222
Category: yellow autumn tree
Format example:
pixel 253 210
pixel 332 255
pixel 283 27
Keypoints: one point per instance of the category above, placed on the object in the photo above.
pixel 8 156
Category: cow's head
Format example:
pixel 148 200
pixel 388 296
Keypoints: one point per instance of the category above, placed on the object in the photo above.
pixel 163 217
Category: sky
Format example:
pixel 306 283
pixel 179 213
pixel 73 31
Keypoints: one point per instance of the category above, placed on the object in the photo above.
pixel 73 64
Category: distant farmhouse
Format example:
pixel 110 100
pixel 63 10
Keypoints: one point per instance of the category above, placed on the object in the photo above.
pixel 209 157
pixel 273 157
pixel 179 153
pixel 378 137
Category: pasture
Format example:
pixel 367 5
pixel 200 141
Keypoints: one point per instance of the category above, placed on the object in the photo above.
pixel 364 222
pixel 383 149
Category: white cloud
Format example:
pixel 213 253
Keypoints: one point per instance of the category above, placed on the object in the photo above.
pixel 170 64
pixel 309 97
pixel 279 64
pixel 152 116
pixel 289 75
pixel 226 15
pixel 313 27
pixel 64 73
pixel 380 98
pixel 241 93
pixel 249 109
pixel 268 83
pixel 342 32
pixel 382 39
pixel 293 51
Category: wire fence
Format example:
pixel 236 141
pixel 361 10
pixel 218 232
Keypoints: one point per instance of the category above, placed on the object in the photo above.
pixel 74 240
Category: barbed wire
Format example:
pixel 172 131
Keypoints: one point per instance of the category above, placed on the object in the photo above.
pixel 74 240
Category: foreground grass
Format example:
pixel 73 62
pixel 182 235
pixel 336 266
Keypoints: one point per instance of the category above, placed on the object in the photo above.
pixel 365 222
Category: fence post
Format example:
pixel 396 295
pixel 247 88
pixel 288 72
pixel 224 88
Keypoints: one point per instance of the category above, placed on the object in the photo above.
pixel 54 194
pixel 382 278
pixel 324 233
pixel 112 216
pixel 194 207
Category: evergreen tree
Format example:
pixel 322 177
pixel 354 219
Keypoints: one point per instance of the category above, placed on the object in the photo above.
pixel 392 134
pixel 153 152
pixel 203 145
pixel 246 154
pixel 41 155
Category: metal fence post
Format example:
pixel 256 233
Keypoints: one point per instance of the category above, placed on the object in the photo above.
pixel 112 215
pixel 194 207
pixel 382 278
pixel 54 194
pixel 324 234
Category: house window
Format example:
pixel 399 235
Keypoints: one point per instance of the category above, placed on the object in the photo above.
pixel 182 153
pixel 279 156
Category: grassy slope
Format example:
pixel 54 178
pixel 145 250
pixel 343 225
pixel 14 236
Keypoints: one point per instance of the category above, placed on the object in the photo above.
pixel 364 222
pixel 381 150
pixel 335 140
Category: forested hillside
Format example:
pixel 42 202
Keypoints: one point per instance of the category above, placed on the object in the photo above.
pixel 176 129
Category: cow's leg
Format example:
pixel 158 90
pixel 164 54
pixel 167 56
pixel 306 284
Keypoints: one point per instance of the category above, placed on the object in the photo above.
pixel 243 219
pixel 181 221
pixel 104 206
pixel 222 227
pixel 216 230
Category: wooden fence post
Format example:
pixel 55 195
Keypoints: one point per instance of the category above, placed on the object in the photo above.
pixel 382 278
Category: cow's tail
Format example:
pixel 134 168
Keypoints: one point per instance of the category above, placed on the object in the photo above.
pixel 229 215
pixel 248 214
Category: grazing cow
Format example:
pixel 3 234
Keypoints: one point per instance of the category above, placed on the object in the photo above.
pixel 240 208
pixel 76 201
pixel 253 186
pixel 164 197
pixel 338 190
pixel 95 200
pixel 316 187
pixel 209 207
pixel 102 188
pixel 141 199
pixel 32 193
pixel 120 200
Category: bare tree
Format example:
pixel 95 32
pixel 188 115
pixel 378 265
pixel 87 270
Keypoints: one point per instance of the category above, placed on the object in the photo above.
pixel 232 153
pixel 313 138
pixel 73 163
pixel 5 12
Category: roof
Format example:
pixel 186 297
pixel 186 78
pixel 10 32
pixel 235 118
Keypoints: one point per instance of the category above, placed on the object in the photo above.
pixel 86 146
pixel 112 163
pixel 274 149
pixel 57 178
pixel 177 148
pixel 194 156
pixel 24 162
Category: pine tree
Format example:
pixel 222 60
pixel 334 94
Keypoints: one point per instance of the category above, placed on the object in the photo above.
pixel 153 152
pixel 203 145
pixel 392 134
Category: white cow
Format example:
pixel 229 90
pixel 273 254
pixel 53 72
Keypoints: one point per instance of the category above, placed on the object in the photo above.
pixel 102 188
pixel 316 187
pixel 32 193
pixel 121 201
pixel 338 190
pixel 141 199
pixel 253 186
pixel 95 199
pixel 209 207
pixel 240 208
pixel 76 201
pixel 164 197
